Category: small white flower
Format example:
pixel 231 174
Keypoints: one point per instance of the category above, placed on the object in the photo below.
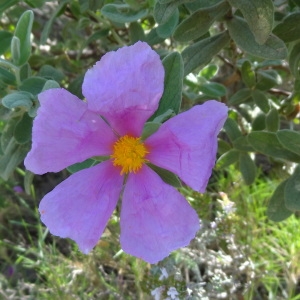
pixel 164 274
pixel 227 205
pixel 172 292
pixel 189 291
pixel 213 225
pixel 156 293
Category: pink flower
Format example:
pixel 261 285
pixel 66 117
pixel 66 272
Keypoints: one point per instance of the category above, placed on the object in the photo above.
pixel 123 90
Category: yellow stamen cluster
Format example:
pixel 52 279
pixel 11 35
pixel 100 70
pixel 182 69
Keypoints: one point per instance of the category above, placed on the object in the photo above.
pixel 129 154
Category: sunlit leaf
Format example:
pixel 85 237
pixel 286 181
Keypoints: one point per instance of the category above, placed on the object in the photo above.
pixel 273 48
pixel 259 16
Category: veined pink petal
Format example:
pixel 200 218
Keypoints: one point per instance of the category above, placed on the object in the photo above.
pixel 125 87
pixel 187 144
pixel 155 218
pixel 80 206
pixel 66 132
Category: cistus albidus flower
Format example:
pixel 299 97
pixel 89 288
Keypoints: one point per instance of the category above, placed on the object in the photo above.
pixel 122 91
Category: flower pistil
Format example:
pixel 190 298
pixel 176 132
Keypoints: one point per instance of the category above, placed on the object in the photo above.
pixel 129 154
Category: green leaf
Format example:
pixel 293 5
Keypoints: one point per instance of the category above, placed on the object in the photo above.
pixel 75 86
pixel 23 129
pixel 35 3
pixel 273 48
pixel 241 143
pixel 209 71
pixel 223 147
pixel 7 77
pixel 18 99
pixel 241 96
pixel 5 38
pixel 259 123
pixel 136 32
pixel 247 168
pixel 13 155
pixel 122 13
pixel 167 176
pixel 149 129
pixel 199 22
pixel 90 5
pixel 294 60
pixel 289 29
pixel 248 74
pixel 23 32
pixel 8 132
pixel 292 191
pixel 227 159
pixel 98 35
pixel 261 100
pixel 213 89
pixel 196 5
pixel 268 144
pixel 289 140
pixel 169 1
pixel 82 165
pixel 200 54
pixel 48 25
pixel 266 79
pixel 50 84
pixel 277 210
pixel 232 129
pixel 33 85
pixel 163 12
pixel 25 71
pixel 15 49
pixel 164 117
pixel 272 120
pixel 50 72
pixel 152 38
pixel 7 4
pixel 259 15
pixel 166 29
pixel 28 179
pixel 171 98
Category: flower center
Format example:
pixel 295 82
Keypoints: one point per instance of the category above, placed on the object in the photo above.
pixel 129 154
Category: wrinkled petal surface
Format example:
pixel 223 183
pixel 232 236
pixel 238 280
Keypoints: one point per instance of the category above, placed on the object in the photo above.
pixel 187 144
pixel 80 206
pixel 125 87
pixel 66 132
pixel 155 218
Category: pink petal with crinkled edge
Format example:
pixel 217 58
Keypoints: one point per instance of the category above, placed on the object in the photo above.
pixel 66 132
pixel 155 217
pixel 125 87
pixel 187 144
pixel 80 206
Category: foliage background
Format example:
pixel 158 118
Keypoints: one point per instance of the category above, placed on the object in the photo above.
pixel 243 53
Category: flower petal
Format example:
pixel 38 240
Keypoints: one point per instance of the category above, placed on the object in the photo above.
pixel 125 87
pixel 155 218
pixel 66 132
pixel 187 144
pixel 80 206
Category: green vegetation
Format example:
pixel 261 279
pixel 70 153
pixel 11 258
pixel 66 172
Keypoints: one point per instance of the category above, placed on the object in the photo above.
pixel 242 53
